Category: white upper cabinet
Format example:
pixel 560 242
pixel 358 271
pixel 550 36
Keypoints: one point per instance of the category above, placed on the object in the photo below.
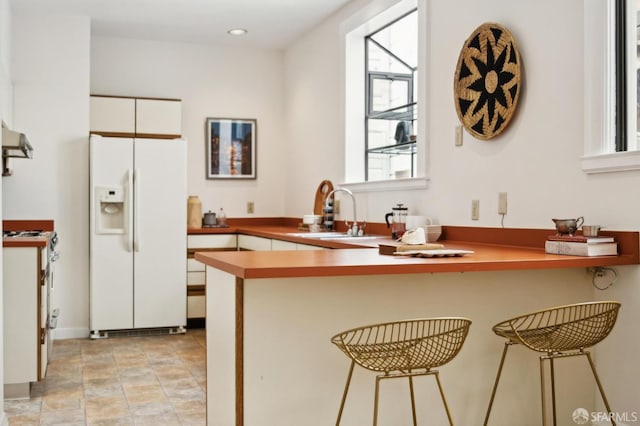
pixel 135 117
pixel 158 117
pixel 112 115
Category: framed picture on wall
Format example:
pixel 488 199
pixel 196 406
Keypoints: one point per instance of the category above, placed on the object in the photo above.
pixel 231 148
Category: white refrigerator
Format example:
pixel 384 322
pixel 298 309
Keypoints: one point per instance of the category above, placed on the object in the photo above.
pixel 138 234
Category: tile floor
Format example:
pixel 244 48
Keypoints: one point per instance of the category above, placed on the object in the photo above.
pixel 142 380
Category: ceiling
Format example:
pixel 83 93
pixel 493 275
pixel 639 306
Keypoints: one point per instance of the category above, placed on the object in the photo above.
pixel 271 23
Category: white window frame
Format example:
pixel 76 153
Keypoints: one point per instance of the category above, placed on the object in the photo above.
pixel 600 91
pixel 352 33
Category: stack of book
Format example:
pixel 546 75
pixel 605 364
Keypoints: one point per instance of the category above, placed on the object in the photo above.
pixel 579 245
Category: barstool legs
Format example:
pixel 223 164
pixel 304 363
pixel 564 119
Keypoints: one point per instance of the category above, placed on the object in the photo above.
pixel 543 389
pixel 495 384
pixel 444 401
pixel 604 398
pixel 375 402
pixel 553 391
pixel 550 357
pixel 344 394
pixel 413 402
pixel 377 394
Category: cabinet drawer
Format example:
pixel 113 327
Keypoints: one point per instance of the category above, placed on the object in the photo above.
pixel 196 278
pixel 196 307
pixel 212 241
pixel 193 265
pixel 249 242
pixel 308 247
pixel 283 245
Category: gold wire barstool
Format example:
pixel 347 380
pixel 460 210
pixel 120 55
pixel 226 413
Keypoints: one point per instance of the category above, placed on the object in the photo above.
pixel 403 349
pixel 560 332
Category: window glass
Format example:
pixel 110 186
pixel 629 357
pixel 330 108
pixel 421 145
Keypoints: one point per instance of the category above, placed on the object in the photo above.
pixel 635 13
pixel 612 86
pixel 390 99
pixel 389 91
pixel 627 75
pixel 397 38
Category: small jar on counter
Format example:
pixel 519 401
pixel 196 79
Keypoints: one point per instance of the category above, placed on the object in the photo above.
pixel 221 218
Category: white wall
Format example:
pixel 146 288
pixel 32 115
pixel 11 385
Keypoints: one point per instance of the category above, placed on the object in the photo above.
pixel 5 62
pixel 212 81
pixel 5 102
pixel 536 160
pixel 50 70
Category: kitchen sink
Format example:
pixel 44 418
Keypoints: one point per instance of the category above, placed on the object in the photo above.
pixel 332 236
pixel 328 234
pixel 350 238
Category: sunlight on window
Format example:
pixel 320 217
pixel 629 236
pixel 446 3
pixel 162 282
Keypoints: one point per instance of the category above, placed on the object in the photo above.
pixel 391 95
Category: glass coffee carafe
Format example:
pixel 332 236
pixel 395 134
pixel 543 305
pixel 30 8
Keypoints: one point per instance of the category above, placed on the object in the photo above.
pixel 398 223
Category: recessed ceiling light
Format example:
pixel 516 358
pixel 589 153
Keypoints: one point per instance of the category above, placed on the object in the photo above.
pixel 237 31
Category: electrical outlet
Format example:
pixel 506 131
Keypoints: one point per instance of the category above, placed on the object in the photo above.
pixel 502 203
pixel 475 209
pixel 250 206
pixel 459 135
pixel 336 206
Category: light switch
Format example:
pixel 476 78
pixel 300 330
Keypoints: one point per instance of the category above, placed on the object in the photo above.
pixel 459 135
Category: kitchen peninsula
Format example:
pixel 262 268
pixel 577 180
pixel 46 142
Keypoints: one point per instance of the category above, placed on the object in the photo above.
pixel 270 316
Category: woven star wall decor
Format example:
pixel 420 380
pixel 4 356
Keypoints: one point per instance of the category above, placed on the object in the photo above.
pixel 487 81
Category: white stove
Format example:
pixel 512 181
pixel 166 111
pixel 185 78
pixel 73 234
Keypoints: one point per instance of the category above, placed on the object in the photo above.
pixel 29 255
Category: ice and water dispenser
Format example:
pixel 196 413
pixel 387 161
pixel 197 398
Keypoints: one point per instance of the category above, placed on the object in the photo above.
pixel 110 210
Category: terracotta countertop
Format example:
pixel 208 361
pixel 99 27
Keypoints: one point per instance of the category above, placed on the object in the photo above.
pixel 26 225
pixel 495 249
pixel 25 242
pixel 275 264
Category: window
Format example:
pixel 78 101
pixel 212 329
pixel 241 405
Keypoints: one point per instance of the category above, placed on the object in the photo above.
pixel 381 87
pixel 626 65
pixel 391 55
pixel 633 22
pixel 612 84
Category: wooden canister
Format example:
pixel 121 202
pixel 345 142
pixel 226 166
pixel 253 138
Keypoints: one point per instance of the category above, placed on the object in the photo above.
pixel 194 212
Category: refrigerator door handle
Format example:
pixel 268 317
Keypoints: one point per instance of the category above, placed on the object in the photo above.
pixel 137 213
pixel 129 210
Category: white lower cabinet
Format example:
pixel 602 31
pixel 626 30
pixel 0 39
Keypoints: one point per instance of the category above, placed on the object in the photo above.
pixel 309 247
pixel 26 292
pixel 283 245
pixel 196 280
pixel 250 242
pixel 196 276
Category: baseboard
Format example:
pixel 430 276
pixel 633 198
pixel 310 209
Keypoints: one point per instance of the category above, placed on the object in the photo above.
pixel 81 333
pixel 196 323
pixel 69 333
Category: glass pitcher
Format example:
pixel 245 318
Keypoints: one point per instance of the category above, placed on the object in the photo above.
pixel 398 223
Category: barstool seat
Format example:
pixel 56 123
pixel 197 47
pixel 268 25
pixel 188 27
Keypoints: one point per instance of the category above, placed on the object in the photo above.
pixel 562 331
pixel 399 349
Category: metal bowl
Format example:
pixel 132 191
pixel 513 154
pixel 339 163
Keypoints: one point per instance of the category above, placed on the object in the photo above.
pixel 591 230
pixel 568 226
